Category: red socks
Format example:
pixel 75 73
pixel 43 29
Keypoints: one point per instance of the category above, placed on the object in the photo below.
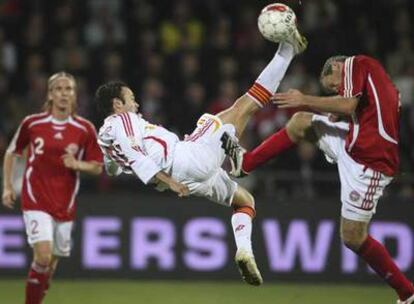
pixel 36 283
pixel 268 149
pixel 379 259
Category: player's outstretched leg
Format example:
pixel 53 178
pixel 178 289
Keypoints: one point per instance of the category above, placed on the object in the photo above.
pixel 244 212
pixel 265 85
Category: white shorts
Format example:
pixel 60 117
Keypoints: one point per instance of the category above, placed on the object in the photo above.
pixel 198 160
pixel 361 187
pixel 41 226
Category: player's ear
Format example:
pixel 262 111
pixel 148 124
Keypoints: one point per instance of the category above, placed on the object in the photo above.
pixel 336 66
pixel 117 104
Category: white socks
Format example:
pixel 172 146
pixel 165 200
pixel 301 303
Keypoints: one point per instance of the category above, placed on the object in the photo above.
pixel 242 229
pixel 274 72
pixel 268 81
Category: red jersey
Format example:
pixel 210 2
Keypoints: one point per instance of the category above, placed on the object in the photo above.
pixel 374 130
pixel 47 184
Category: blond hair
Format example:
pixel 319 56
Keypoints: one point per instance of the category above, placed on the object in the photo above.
pixel 47 106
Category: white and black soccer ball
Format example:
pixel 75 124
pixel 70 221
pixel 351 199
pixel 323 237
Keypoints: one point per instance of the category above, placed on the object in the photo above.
pixel 277 22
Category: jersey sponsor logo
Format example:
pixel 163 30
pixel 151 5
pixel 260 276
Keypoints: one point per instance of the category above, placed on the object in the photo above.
pixel 72 149
pixel 354 196
pixel 58 136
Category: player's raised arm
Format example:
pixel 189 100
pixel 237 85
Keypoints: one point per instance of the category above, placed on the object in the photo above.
pixel 333 104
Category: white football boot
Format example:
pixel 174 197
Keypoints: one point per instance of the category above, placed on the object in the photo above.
pixel 248 269
pixel 298 41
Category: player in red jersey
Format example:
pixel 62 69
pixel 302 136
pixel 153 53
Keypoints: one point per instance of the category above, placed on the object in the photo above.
pixel 365 148
pixel 60 144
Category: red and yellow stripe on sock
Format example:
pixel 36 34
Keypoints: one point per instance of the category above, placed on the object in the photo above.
pixel 260 94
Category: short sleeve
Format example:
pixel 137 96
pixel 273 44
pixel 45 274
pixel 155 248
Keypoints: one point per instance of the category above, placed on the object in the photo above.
pixel 92 149
pixel 20 139
pixel 354 79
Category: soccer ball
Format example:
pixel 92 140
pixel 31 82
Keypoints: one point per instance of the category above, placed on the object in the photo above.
pixel 277 22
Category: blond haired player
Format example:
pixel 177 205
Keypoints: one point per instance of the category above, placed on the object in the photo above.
pixel 193 166
pixel 60 144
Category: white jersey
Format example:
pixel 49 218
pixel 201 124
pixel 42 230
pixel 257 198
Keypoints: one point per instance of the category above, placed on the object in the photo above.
pixel 133 145
pixel 136 145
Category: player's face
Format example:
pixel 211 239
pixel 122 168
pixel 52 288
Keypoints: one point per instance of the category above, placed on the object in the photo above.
pixel 130 105
pixel 332 82
pixel 62 93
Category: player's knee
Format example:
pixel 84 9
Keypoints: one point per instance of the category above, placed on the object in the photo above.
pixel 244 203
pixel 299 124
pixel 43 256
pixel 250 200
pixel 352 239
pixel 43 259
pixel 243 198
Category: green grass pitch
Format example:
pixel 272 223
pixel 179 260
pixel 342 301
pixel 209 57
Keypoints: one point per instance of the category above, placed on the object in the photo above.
pixel 178 292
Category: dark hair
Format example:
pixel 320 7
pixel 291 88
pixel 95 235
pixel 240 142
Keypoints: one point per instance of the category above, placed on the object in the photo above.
pixel 106 93
pixel 327 67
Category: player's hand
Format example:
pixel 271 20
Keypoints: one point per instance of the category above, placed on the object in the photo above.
pixel 9 197
pixel 179 188
pixel 290 99
pixel 70 161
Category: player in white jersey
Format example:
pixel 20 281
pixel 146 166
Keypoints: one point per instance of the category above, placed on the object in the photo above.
pixel 192 166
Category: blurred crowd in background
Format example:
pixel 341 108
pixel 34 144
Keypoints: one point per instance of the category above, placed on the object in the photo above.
pixel 184 58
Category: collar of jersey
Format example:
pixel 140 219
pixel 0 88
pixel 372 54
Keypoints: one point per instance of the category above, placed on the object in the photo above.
pixel 60 122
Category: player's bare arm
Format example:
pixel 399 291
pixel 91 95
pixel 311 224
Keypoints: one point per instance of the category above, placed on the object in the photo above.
pixel 332 104
pixel 9 194
pixel 90 167
pixel 179 188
